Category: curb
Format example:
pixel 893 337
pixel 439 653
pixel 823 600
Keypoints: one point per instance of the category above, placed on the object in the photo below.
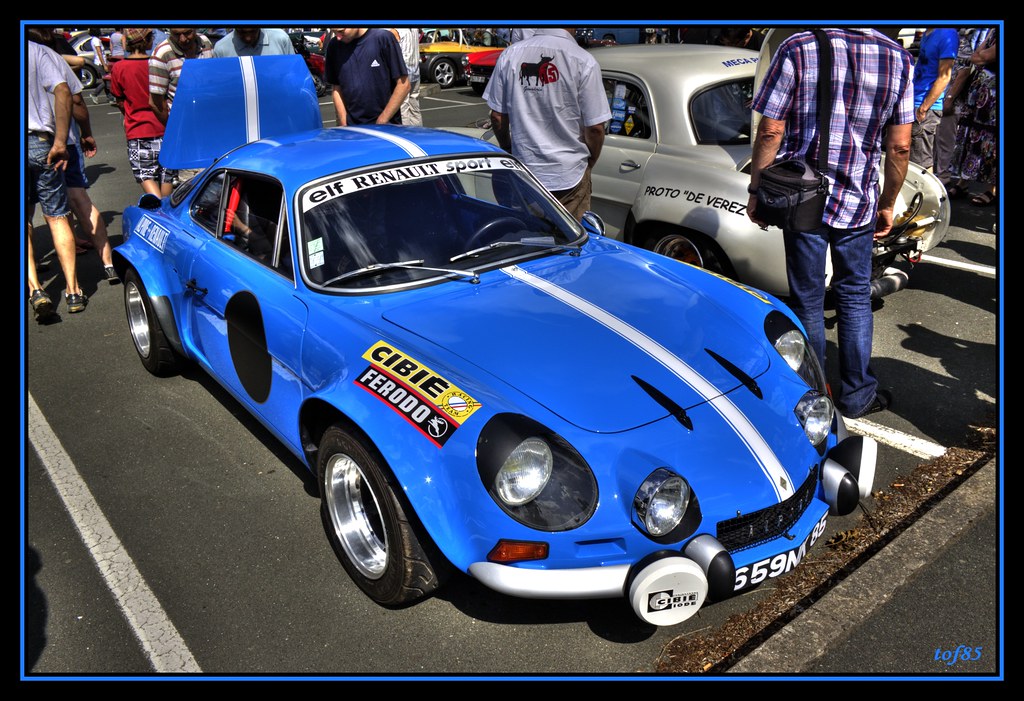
pixel 798 645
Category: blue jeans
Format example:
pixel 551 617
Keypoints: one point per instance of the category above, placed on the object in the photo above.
pixel 45 183
pixel 851 287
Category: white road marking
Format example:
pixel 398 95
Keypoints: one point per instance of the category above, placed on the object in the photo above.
pixel 905 442
pixel 973 267
pixel 163 644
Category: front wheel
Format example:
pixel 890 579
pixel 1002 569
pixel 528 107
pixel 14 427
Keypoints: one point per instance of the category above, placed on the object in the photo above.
pixel 368 526
pixel 151 343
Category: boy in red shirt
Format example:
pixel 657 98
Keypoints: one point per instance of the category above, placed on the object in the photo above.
pixel 129 84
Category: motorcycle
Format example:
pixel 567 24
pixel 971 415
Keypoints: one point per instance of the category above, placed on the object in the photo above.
pixel 314 61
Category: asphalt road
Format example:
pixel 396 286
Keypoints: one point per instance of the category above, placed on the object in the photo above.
pixel 164 530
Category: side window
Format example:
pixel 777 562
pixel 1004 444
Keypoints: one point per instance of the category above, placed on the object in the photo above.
pixel 631 115
pixel 206 207
pixel 251 213
pixel 721 114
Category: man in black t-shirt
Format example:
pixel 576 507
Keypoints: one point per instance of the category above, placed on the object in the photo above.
pixel 368 76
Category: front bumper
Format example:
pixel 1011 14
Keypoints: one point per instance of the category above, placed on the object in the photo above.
pixel 668 586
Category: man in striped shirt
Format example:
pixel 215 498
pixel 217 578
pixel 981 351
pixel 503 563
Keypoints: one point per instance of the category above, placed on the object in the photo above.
pixel 872 110
pixel 165 66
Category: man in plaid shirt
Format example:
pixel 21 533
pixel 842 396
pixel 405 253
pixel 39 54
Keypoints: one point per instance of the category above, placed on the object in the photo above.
pixel 872 112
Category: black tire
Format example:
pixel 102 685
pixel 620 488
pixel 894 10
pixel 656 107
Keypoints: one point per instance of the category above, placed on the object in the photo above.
pixel 320 85
pixel 88 76
pixel 444 72
pixel 478 88
pixel 382 547
pixel 151 344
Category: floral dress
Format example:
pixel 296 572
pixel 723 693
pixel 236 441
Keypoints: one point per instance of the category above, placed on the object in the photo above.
pixel 975 155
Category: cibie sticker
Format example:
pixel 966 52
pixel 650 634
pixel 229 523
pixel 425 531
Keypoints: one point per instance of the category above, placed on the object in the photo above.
pixel 152 233
pixel 425 399
pixel 336 187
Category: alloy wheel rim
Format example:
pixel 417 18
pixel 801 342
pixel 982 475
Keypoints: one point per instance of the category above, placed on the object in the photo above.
pixel 356 516
pixel 138 320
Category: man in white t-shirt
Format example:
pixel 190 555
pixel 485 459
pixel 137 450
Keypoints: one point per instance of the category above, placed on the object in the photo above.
pixel 548 109
pixel 409 42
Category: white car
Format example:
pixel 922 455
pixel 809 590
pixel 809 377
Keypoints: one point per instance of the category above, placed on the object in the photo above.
pixel 675 167
pixel 90 74
pixel 673 173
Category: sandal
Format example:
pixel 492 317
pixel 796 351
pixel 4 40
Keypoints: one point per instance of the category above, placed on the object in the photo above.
pixel 956 191
pixel 984 199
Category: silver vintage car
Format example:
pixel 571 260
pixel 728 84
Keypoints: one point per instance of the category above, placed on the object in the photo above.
pixel 674 171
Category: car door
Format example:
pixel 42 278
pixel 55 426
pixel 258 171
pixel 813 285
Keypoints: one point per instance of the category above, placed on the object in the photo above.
pixel 630 141
pixel 245 316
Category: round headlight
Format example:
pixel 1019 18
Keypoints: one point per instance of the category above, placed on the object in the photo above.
pixel 525 472
pixel 792 347
pixel 815 414
pixel 661 501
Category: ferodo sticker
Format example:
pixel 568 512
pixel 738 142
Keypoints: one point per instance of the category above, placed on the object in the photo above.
pixel 385 176
pixel 432 404
pixel 749 575
pixel 152 233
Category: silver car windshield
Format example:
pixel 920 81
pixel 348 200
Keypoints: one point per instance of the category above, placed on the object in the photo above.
pixel 430 212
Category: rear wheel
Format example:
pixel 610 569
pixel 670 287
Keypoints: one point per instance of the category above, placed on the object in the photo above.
pixel 319 84
pixel 151 344
pixel 695 250
pixel 381 547
pixel 443 73
pixel 88 76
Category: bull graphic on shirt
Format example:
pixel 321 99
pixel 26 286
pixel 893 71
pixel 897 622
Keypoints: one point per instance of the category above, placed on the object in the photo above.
pixel 544 72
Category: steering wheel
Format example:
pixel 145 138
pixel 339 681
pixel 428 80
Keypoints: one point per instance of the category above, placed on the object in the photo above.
pixel 486 233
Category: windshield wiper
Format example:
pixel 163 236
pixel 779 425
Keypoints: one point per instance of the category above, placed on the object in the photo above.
pixel 539 241
pixel 375 268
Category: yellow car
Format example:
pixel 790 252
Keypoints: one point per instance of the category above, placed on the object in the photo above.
pixel 442 50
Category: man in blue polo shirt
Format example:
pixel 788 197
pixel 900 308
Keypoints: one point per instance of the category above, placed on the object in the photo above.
pixel 932 72
pixel 254 41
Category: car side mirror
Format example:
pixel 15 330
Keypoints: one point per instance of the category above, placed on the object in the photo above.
pixel 592 223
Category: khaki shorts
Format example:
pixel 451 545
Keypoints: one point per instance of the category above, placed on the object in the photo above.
pixel 576 199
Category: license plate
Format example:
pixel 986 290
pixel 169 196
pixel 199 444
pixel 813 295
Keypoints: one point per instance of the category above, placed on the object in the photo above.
pixel 749 575
pixel 477 79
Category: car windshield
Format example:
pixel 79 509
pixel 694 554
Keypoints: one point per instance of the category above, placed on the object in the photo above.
pixel 427 220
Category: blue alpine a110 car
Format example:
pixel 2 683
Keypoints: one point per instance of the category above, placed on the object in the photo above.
pixel 478 382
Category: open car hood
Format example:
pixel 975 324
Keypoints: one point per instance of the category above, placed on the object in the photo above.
pixel 223 103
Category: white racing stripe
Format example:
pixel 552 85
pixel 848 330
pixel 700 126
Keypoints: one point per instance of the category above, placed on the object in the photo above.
pixel 409 147
pixel 161 641
pixel 773 470
pixel 252 104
